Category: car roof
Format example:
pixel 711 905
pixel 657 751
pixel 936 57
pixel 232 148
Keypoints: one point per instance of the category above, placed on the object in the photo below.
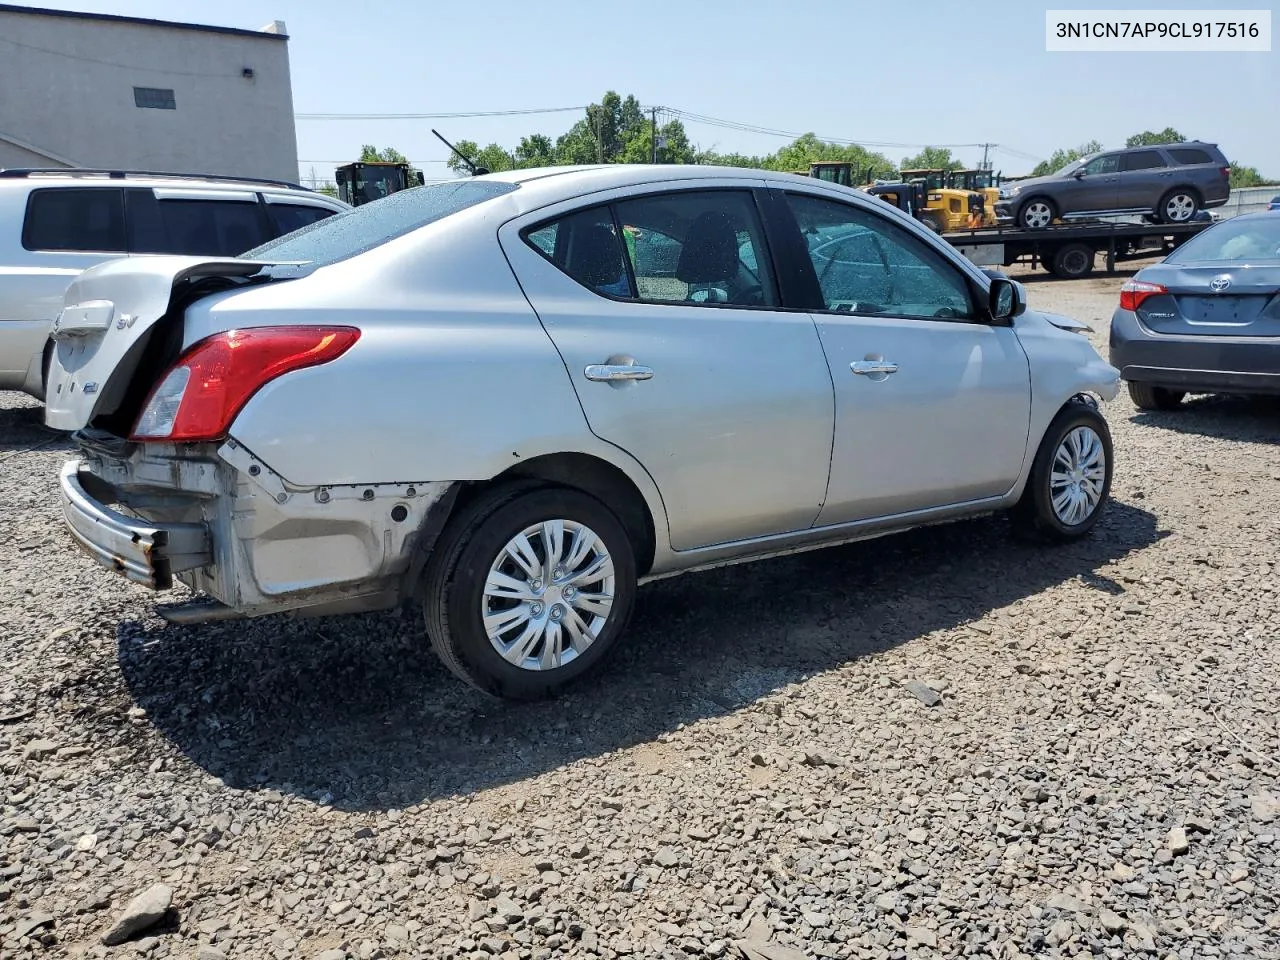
pixel 550 184
pixel 45 177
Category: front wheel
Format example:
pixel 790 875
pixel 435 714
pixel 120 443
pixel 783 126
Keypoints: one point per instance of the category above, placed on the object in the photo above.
pixel 528 590
pixel 1070 479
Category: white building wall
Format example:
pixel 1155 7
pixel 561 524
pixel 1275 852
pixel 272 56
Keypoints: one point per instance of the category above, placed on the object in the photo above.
pixel 67 95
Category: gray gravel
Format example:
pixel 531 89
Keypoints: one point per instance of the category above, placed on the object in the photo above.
pixel 758 775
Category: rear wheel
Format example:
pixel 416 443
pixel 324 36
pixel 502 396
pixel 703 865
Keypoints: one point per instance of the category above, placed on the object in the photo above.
pixel 1036 214
pixel 1070 478
pixel 528 590
pixel 1146 396
pixel 1073 260
pixel 1178 206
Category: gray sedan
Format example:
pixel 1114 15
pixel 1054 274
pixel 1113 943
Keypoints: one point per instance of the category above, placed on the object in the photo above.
pixel 514 398
pixel 1206 319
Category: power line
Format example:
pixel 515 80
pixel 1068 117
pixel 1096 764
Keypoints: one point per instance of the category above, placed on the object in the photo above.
pixel 462 115
pixel 670 112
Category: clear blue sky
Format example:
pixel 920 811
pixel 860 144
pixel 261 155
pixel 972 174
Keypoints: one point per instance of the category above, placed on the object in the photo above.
pixel 912 72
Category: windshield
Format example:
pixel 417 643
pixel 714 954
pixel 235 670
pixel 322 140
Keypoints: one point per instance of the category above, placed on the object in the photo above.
pixel 346 234
pixel 1242 238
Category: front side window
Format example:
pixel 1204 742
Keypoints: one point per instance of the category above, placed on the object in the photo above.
pixel 867 265
pixel 1107 164
pixel 83 219
pixel 698 246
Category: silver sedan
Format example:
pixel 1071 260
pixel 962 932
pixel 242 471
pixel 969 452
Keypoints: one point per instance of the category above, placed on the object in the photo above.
pixel 514 398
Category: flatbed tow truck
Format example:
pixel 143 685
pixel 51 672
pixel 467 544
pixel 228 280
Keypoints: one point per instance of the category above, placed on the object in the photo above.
pixel 1069 250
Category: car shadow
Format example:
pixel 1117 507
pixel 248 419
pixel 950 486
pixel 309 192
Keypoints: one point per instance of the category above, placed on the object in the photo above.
pixel 1235 418
pixel 1043 276
pixel 357 711
pixel 22 428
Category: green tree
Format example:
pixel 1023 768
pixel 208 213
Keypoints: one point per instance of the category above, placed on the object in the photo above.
pixel 932 158
pixel 371 154
pixel 713 158
pixel 1061 158
pixel 1242 176
pixel 535 150
pixel 1149 139
pixel 804 150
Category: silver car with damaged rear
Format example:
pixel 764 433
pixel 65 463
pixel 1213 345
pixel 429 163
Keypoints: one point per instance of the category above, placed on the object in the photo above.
pixel 514 398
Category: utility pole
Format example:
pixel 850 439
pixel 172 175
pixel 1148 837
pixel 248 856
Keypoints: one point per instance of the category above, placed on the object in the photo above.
pixel 985 164
pixel 653 135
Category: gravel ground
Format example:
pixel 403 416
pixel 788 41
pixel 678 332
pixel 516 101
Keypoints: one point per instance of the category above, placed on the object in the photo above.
pixel 752 776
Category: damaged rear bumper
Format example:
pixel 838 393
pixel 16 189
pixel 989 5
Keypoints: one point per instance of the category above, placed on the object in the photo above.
pixel 146 553
pixel 243 539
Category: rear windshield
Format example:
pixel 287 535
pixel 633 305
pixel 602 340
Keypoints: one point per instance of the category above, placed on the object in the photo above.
pixel 1240 238
pixel 373 224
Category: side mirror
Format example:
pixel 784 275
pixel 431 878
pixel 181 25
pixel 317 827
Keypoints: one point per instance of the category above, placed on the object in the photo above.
pixel 1006 299
pixel 1079 173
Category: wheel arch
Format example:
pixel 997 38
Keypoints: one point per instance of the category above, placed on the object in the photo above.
pixel 585 472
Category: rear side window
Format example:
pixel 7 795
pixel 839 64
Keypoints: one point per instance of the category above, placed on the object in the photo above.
pixel 691 247
pixel 585 245
pixel 1143 160
pixel 225 228
pixel 288 217
pixel 704 247
pixel 1190 155
pixel 86 219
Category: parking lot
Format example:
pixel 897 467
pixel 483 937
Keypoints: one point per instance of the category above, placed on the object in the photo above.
pixel 749 775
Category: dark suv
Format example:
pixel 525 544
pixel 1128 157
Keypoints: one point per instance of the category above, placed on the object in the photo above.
pixel 1169 183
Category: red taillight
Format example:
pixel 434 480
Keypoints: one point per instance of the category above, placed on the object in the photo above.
pixel 1226 172
pixel 202 393
pixel 1135 291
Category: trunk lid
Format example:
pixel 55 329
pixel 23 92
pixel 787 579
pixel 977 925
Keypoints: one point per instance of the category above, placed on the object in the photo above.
pixel 112 327
pixel 1214 299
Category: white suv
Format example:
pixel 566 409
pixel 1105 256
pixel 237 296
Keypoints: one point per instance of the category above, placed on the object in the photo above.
pixel 55 223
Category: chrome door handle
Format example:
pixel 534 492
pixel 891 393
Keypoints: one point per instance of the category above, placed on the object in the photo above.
pixel 613 372
pixel 866 367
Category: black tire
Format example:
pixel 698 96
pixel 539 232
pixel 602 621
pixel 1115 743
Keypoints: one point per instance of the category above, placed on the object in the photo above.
pixel 934 222
pixel 1034 207
pixel 1073 261
pixel 1034 515
pixel 1147 396
pixel 1190 205
pixel 455 578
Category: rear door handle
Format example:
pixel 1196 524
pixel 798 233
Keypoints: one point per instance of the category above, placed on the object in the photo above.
pixel 865 368
pixel 613 372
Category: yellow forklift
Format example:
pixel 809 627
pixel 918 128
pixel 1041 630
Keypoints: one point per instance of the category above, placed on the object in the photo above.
pixel 947 207
pixel 365 181
pixel 984 182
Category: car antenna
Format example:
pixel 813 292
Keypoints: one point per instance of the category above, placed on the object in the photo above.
pixel 475 171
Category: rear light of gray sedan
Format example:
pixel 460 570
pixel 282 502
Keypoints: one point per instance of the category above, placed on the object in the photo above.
pixel 1135 291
